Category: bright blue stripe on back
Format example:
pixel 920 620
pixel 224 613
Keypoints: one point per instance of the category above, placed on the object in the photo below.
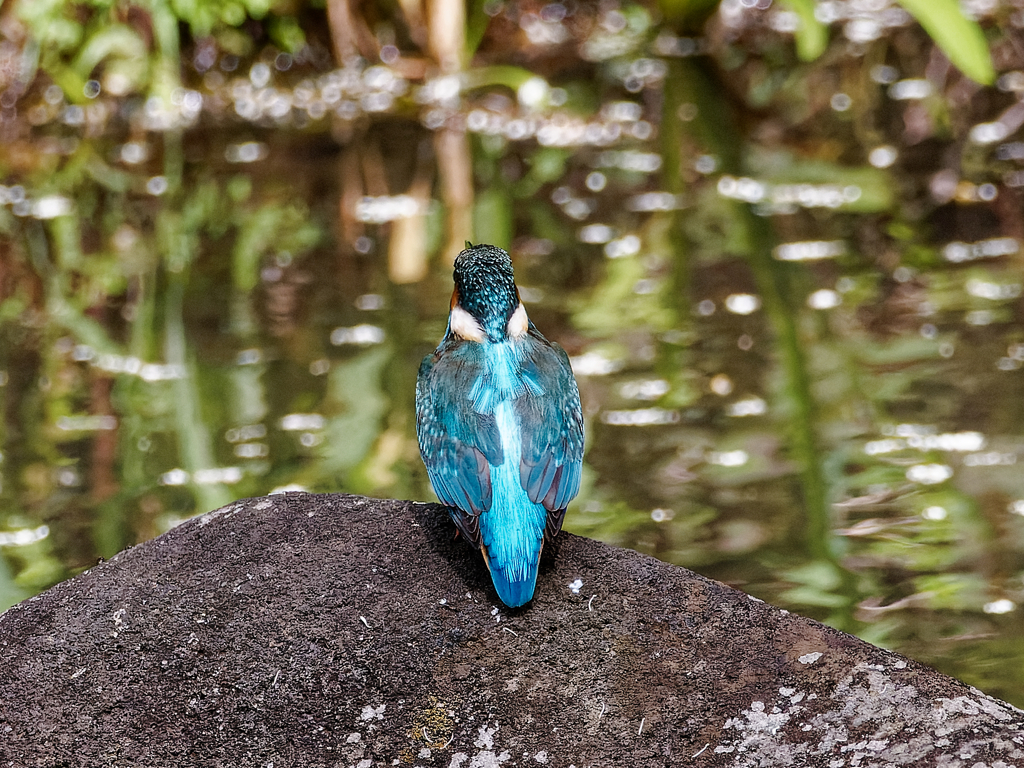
pixel 512 530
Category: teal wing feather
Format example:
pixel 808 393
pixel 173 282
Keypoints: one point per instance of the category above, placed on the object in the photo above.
pixel 457 444
pixel 552 430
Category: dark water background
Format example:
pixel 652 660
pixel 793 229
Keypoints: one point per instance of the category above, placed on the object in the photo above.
pixel 791 292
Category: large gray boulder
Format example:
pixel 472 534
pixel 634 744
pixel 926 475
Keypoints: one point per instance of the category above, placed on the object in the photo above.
pixel 327 630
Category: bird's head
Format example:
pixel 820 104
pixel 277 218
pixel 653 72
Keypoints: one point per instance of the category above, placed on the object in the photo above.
pixel 485 303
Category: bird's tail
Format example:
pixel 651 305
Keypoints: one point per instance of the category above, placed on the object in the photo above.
pixel 511 538
pixel 514 585
pixel 512 530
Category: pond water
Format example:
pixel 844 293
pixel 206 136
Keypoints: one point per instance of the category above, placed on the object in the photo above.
pixel 791 293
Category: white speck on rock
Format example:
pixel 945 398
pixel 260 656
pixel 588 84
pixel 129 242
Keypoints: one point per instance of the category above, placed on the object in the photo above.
pixel 485 737
pixel 373 713
pixel 353 738
pixel 424 753
pixel 963 705
pixel 227 511
pixel 119 615
pixel 576 586
pixel 757 720
pixel 541 757
pixel 787 691
pixel 487 759
pixel 810 658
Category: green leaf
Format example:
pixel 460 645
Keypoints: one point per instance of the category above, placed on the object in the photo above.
pixel 286 33
pixel 256 236
pixel 871 189
pixel 233 14
pixel 817 583
pixel 811 35
pixel 953 591
pixel 960 38
pixel 477 21
pixel 117 41
pixel 499 74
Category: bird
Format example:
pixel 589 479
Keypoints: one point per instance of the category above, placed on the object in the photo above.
pixel 499 423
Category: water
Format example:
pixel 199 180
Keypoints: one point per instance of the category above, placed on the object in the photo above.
pixel 791 294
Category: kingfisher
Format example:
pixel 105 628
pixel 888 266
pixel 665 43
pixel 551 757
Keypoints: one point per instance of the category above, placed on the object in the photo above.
pixel 499 423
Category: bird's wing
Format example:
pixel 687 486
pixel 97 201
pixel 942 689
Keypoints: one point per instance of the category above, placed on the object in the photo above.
pixel 457 443
pixel 552 429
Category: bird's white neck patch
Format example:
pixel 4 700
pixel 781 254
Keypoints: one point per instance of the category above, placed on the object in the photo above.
pixel 519 323
pixel 465 325
pixel 468 327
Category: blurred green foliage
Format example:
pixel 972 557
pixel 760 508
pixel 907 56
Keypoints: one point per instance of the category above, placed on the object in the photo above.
pixel 959 37
pixel 137 45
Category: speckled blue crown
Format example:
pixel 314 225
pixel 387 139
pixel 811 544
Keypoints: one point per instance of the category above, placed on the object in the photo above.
pixel 486 285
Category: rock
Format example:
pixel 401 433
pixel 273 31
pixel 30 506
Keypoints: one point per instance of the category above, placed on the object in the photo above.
pixel 329 630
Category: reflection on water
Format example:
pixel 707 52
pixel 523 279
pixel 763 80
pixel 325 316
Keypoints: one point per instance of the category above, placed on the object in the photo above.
pixel 791 294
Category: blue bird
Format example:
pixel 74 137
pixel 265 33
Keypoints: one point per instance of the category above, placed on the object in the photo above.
pixel 499 423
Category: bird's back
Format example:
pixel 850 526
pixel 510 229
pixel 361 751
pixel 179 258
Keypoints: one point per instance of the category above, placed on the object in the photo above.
pixel 507 417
